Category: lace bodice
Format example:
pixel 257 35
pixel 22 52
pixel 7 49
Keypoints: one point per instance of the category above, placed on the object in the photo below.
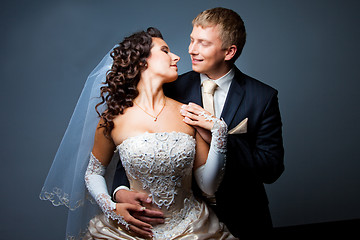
pixel 160 164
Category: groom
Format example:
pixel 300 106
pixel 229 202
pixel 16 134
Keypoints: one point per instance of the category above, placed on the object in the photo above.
pixel 250 109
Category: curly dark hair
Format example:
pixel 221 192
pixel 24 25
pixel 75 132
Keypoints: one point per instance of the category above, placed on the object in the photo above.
pixel 129 59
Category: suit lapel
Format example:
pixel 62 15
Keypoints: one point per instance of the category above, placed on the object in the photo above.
pixel 196 90
pixel 234 98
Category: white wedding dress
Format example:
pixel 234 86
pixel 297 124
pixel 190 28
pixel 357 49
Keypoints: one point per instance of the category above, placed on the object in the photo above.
pixel 161 165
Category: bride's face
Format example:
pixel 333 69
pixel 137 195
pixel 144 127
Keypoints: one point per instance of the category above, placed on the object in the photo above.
pixel 162 62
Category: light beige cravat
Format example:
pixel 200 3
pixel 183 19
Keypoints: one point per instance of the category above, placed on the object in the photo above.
pixel 208 95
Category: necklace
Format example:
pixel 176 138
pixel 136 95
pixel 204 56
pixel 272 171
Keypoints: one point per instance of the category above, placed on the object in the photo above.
pixel 155 117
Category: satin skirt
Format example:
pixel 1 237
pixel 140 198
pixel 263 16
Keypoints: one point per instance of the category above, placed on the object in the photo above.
pixel 206 226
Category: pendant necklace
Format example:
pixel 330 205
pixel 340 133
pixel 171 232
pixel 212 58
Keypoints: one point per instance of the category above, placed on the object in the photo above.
pixel 155 117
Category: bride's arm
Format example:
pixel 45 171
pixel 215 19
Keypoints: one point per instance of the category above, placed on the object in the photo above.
pixel 100 157
pixel 209 165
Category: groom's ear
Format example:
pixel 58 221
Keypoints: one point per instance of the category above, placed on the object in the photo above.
pixel 230 52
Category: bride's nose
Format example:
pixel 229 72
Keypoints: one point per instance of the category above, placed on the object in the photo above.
pixel 175 58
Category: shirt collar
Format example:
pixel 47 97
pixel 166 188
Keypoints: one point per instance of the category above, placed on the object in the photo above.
pixel 224 82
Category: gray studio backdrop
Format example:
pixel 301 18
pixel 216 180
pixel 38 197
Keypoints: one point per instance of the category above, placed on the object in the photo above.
pixel 308 50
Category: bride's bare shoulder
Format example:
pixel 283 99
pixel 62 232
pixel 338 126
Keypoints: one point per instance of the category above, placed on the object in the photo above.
pixel 173 103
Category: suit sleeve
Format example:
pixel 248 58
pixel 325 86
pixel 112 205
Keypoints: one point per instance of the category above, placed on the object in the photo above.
pixel 268 153
pixel 259 153
pixel 120 178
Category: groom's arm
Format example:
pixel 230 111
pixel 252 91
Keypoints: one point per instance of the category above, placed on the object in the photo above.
pixel 120 179
pixel 152 217
pixel 260 150
pixel 269 150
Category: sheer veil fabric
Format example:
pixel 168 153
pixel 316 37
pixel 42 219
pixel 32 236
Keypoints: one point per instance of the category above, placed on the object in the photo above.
pixel 65 184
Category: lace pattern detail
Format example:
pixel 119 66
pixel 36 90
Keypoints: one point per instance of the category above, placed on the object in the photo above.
pixel 159 161
pixel 219 135
pixel 219 132
pixel 161 164
pixel 108 207
pixel 95 168
pixel 219 142
pixel 58 197
pixel 208 117
pixel 179 221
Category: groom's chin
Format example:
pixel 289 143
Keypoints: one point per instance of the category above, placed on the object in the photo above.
pixel 197 68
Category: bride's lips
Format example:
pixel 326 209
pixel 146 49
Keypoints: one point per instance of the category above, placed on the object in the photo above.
pixel 174 66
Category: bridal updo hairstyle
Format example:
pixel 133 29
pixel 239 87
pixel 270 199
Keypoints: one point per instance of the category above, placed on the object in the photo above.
pixel 129 60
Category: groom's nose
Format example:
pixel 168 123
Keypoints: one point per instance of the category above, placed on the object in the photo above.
pixel 193 48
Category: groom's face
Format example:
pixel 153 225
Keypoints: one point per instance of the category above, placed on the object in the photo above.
pixel 205 49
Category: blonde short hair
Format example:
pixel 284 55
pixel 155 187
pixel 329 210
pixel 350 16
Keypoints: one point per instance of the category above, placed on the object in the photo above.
pixel 231 26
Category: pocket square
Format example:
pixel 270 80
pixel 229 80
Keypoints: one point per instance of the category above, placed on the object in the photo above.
pixel 240 128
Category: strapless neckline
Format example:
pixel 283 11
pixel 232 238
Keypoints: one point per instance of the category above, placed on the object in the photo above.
pixel 155 134
pixel 161 165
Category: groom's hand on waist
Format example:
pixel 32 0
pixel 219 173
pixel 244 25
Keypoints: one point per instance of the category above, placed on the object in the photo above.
pixel 150 216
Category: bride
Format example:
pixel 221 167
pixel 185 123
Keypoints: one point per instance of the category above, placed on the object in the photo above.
pixel 158 150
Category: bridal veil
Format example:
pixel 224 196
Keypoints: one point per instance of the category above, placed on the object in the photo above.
pixel 65 183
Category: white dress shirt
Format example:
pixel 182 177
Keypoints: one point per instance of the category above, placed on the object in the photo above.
pixel 221 91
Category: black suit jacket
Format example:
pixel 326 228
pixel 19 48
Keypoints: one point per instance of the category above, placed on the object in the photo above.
pixel 253 158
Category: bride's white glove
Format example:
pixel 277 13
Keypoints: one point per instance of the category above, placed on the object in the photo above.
pixel 96 184
pixel 209 175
